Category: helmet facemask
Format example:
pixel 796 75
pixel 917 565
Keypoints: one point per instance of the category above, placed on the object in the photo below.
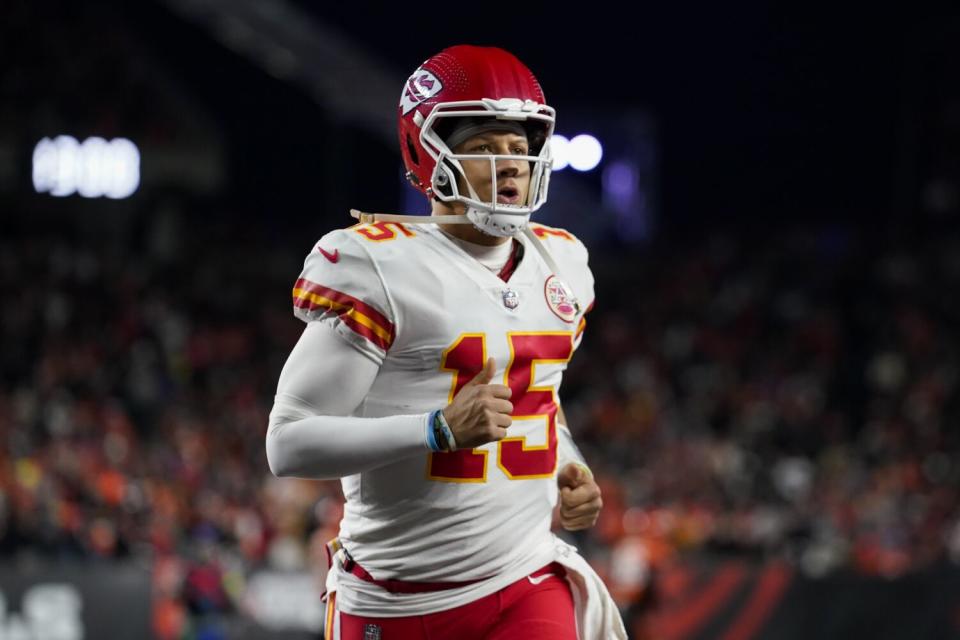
pixel 495 218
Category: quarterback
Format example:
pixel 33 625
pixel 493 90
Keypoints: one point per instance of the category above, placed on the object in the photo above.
pixel 427 379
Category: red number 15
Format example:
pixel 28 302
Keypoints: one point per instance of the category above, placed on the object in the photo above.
pixel 464 359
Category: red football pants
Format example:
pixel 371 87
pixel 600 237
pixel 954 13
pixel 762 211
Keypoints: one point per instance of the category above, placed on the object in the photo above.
pixel 536 607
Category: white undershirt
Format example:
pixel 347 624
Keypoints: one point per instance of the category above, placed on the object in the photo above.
pixel 493 257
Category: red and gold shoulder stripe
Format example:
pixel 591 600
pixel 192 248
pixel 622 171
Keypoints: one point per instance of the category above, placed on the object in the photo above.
pixel 356 314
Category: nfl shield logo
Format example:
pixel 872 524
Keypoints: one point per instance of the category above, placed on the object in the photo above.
pixel 371 632
pixel 510 299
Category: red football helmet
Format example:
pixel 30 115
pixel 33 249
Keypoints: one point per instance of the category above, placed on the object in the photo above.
pixel 477 83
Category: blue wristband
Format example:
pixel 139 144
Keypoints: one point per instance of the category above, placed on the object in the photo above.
pixel 447 431
pixel 431 441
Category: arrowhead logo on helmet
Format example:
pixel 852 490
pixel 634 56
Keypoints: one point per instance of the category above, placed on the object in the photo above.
pixel 422 85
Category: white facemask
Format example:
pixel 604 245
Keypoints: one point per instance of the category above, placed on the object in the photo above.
pixel 491 217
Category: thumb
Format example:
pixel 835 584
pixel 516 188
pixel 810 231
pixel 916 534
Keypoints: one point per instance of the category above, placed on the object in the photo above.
pixel 572 475
pixel 486 374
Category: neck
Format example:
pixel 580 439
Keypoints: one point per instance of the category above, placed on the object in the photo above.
pixel 463 231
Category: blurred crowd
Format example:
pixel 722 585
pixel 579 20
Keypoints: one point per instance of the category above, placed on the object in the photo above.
pixel 136 383
pixel 793 398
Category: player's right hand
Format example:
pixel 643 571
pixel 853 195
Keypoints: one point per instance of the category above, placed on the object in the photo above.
pixel 480 412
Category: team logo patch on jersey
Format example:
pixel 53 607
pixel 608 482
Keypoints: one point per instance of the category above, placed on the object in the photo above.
pixel 422 85
pixel 510 299
pixel 560 299
pixel 371 632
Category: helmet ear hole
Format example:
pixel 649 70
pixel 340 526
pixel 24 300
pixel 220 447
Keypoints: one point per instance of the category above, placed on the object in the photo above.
pixel 443 183
pixel 412 150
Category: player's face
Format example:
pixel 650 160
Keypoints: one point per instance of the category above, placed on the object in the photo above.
pixel 513 176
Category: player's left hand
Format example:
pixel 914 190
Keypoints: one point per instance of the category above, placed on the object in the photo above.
pixel 580 500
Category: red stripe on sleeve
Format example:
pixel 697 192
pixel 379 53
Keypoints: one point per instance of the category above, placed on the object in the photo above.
pixel 343 298
pixel 362 318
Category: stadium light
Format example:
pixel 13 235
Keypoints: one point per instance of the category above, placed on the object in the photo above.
pixel 582 153
pixel 585 152
pixel 96 168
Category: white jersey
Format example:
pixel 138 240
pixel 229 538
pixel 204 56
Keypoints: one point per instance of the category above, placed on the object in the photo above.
pixel 430 315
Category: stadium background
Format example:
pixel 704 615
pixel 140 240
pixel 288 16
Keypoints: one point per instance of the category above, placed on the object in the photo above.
pixel 768 388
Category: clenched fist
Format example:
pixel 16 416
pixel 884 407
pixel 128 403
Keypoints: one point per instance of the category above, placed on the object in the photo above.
pixel 480 412
pixel 580 500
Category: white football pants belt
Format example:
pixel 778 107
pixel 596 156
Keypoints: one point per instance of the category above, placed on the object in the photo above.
pixel 371 218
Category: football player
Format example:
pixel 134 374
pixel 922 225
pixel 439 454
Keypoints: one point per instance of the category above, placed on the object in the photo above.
pixel 427 379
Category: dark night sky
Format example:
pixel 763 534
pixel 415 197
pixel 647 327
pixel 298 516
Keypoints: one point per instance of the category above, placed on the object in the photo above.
pixel 761 114
pixel 757 110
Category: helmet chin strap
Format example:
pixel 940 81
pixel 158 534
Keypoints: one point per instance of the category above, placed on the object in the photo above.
pixel 371 218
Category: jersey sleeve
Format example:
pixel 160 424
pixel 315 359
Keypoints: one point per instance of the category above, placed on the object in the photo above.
pixel 585 291
pixel 341 285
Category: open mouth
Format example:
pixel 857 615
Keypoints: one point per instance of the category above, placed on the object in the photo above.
pixel 508 195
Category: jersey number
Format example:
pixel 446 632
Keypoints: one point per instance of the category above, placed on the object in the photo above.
pixel 382 231
pixel 464 359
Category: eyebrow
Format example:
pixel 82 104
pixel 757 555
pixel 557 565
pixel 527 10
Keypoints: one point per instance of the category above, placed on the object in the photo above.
pixel 487 135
